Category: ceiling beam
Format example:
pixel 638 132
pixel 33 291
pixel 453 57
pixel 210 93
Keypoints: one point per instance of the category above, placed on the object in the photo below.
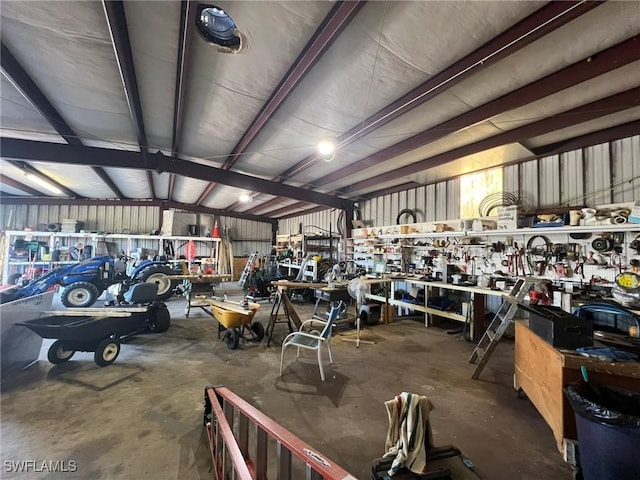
pixel 606 135
pixel 29 90
pixel 18 149
pixel 17 200
pixel 331 27
pixel 172 186
pixel 590 67
pixel 603 136
pixel 281 210
pixel 34 171
pixel 288 208
pixel 107 202
pixel 117 23
pixel 261 206
pixel 548 18
pixel 218 212
pixel 187 26
pixel 20 186
pixel 305 212
pixel 606 106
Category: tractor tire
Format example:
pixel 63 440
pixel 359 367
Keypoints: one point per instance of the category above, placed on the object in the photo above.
pixel 80 295
pixel 158 274
pixel 160 320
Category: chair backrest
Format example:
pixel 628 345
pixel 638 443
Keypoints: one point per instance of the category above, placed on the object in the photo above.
pixel 333 316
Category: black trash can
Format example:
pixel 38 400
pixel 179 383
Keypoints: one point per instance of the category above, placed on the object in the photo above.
pixel 608 425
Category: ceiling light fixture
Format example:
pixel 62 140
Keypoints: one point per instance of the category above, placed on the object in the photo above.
pixel 43 183
pixel 327 149
pixel 217 27
pixel 245 198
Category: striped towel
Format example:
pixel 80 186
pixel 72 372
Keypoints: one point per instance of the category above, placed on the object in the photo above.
pixel 408 424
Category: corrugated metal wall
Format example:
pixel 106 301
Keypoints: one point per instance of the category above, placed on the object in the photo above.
pixel 112 219
pixel 595 175
pixel 248 236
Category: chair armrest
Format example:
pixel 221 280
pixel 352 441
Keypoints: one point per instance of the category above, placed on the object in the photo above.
pixel 304 334
pixel 310 321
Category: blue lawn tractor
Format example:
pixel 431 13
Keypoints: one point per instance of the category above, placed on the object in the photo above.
pixel 84 282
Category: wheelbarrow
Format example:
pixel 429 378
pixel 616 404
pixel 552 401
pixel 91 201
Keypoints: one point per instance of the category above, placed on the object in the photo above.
pixel 99 330
pixel 235 319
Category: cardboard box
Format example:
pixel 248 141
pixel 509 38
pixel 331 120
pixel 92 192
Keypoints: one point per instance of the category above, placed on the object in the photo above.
pixel 634 217
pixel 508 217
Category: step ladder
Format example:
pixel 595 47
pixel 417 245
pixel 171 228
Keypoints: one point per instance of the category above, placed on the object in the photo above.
pixel 245 444
pixel 499 324
pixel 244 277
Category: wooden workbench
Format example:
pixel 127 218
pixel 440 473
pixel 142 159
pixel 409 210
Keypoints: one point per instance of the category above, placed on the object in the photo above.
pixel 542 371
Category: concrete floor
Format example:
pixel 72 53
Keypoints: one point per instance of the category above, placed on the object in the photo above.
pixel 141 418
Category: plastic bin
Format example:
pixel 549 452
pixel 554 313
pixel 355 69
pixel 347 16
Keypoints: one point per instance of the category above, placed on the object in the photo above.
pixel 608 425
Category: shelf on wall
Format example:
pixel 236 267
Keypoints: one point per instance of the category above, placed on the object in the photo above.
pixel 625 227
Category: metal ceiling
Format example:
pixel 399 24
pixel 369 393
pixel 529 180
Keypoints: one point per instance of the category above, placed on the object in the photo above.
pixel 134 99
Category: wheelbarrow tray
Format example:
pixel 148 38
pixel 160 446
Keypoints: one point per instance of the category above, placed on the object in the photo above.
pixel 232 314
pixel 86 328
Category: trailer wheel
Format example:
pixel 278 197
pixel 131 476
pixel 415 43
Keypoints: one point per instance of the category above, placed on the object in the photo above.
pixel 58 354
pixel 106 352
pixel 159 274
pixel 232 338
pixel 160 320
pixel 80 295
pixel 258 330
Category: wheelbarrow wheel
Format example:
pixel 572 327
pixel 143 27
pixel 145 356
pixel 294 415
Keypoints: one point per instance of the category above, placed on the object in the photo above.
pixel 232 338
pixel 160 320
pixel 106 352
pixel 258 330
pixel 58 354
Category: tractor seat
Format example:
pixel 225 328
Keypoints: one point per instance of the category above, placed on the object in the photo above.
pixel 141 293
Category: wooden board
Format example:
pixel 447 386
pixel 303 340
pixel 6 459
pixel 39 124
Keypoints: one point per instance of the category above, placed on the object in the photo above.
pixel 292 284
pixel 195 278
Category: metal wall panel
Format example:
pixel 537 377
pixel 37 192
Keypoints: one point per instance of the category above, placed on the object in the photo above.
pixel 626 169
pixel 111 219
pixel 420 203
pixel 441 201
pixel 430 199
pixel 597 175
pixel 511 179
pixel 453 199
pixel 549 181
pixel 571 178
pixel 529 184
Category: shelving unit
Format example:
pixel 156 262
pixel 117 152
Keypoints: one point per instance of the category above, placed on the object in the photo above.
pixel 133 245
pixel 302 246
pixel 368 251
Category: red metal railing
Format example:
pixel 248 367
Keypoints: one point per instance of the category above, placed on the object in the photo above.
pixel 227 418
